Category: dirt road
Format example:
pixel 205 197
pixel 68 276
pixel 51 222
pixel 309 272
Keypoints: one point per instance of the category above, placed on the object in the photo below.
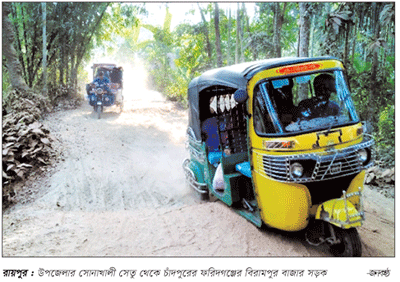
pixel 120 191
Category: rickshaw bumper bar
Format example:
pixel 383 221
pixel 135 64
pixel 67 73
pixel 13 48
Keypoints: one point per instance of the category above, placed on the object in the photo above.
pixel 191 178
pixel 341 212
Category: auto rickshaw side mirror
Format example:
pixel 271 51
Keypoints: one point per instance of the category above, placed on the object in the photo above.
pixel 240 96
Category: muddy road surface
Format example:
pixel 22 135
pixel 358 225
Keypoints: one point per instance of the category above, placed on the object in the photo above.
pixel 119 190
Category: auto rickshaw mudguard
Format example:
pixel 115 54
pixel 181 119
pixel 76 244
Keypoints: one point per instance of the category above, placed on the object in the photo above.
pixel 339 212
pixel 347 211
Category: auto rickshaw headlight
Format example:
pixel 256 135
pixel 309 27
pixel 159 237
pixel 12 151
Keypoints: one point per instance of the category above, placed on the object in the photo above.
pixel 296 170
pixel 364 156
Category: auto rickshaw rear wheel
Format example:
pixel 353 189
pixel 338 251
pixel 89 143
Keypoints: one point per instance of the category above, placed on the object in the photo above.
pixel 349 245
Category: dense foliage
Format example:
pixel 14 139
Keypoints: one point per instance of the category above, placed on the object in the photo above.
pixel 361 34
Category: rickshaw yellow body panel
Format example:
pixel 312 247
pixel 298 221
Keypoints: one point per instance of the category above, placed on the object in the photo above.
pixel 283 206
pixel 313 142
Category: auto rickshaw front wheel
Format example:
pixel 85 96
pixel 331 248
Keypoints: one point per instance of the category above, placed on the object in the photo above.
pixel 98 110
pixel 349 243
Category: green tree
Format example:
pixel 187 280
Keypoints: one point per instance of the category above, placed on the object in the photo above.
pixel 217 36
pixel 13 64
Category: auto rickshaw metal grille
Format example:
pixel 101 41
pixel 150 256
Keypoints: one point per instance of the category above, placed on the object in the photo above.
pixel 329 167
pixel 274 167
pixel 319 166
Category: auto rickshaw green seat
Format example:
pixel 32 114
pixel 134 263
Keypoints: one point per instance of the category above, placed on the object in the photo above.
pixel 229 162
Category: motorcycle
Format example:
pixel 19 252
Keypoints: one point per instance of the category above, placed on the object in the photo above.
pixel 100 97
pixel 106 95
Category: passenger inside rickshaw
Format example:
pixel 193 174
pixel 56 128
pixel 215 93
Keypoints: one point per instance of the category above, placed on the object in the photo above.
pixel 224 131
pixel 116 76
pixel 211 137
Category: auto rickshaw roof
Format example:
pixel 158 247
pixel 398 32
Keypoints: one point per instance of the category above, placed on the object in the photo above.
pixel 103 65
pixel 236 77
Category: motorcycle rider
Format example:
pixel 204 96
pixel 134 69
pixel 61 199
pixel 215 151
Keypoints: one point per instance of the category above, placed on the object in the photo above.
pixel 99 80
pixel 102 80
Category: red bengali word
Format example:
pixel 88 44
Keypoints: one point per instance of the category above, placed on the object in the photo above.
pixel 299 68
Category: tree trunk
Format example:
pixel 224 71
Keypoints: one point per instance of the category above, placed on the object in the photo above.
pixel 304 29
pixel 243 23
pixel 13 64
pixel 304 40
pixel 353 49
pixel 217 36
pixel 277 30
pixel 205 28
pixel 44 60
pixel 61 63
pixel 237 50
pixel 17 12
pixel 375 63
pixel 311 45
pixel 228 52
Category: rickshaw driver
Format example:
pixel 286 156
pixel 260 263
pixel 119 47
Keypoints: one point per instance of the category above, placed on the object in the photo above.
pixel 320 105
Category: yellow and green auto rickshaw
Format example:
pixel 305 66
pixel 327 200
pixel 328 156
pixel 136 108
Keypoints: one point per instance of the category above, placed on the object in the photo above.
pixel 279 141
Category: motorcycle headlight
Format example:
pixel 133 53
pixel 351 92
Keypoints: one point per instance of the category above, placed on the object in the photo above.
pixel 364 155
pixel 296 170
pixel 99 91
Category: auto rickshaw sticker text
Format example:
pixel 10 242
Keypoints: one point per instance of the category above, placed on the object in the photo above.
pixel 299 68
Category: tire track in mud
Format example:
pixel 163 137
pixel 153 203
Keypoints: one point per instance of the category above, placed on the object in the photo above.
pixel 111 165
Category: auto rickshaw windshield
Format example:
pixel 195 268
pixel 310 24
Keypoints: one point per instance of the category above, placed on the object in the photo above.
pixel 302 103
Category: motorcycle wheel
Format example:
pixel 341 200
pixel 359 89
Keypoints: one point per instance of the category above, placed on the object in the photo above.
pixel 350 243
pixel 98 110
